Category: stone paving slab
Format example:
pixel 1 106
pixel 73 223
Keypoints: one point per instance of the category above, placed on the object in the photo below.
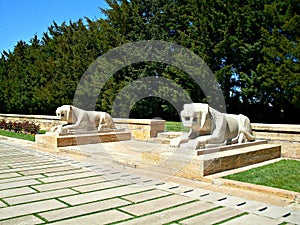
pixel 101 195
pixel 275 212
pixel 30 208
pixel 98 218
pixel 24 220
pixel 69 177
pixel 48 171
pixel 16 184
pixel 16 179
pixel 140 197
pixel 174 214
pixel 64 171
pixel 156 205
pixel 251 219
pixel 212 217
pixel 16 192
pixel 70 212
pixel 230 201
pixel 39 196
pixel 8 175
pixel 101 186
pixel 69 183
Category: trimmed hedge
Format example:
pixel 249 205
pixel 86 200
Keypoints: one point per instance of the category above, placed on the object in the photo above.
pixel 20 126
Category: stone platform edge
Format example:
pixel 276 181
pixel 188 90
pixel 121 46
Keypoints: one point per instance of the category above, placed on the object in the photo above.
pixel 54 141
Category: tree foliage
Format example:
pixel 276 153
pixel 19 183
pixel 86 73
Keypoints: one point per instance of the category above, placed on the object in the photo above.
pixel 251 46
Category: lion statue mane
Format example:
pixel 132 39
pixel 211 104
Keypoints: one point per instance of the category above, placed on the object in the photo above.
pixel 211 128
pixel 79 120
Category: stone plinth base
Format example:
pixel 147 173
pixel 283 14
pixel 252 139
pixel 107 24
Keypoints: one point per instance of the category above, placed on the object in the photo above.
pixel 54 141
pixel 182 162
pixel 210 161
pixel 239 157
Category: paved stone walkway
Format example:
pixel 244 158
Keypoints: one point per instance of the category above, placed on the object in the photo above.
pixel 39 188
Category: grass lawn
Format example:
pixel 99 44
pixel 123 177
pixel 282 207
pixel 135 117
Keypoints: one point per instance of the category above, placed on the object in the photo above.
pixel 27 137
pixel 284 174
pixel 175 126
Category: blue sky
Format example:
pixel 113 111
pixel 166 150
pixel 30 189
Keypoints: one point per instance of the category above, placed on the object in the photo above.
pixel 22 19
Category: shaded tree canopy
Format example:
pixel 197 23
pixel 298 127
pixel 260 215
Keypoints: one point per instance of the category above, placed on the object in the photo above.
pixel 251 46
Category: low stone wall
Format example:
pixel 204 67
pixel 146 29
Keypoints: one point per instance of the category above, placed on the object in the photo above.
pixel 141 129
pixel 287 135
pixel 280 132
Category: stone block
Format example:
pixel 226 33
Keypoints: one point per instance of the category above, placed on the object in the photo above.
pixel 39 196
pixel 212 217
pixel 173 214
pixel 155 205
pixel 55 141
pixel 30 208
pixel 83 209
pixel 106 217
pixel 101 195
pixel 24 220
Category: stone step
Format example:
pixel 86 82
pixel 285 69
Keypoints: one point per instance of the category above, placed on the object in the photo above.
pixel 239 157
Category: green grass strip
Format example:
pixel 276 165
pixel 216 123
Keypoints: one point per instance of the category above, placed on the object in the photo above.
pixel 175 126
pixel 283 174
pixel 27 137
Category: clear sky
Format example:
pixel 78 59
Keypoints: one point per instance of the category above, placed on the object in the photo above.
pixel 22 19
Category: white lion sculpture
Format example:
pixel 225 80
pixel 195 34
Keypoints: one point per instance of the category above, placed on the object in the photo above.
pixel 79 120
pixel 211 128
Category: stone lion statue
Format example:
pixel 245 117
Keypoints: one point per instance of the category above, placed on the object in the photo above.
pixel 211 128
pixel 79 120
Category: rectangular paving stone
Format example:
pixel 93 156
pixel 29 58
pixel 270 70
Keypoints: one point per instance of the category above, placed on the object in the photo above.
pixel 69 177
pixel 251 219
pixel 9 175
pixel 30 208
pixel 273 211
pixel 18 184
pixel 16 191
pixel 213 196
pixel 64 171
pixel 212 217
pixel 47 170
pixel 102 185
pixel 250 206
pixel 21 170
pixel 39 196
pixel 104 194
pixel 146 195
pixel 98 218
pixel 196 193
pixel 69 183
pixel 83 209
pixel 14 179
pixel 24 220
pixel 230 201
pixel 173 214
pixel 156 205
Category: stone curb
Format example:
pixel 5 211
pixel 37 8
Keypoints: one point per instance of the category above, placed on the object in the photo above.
pixel 290 195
